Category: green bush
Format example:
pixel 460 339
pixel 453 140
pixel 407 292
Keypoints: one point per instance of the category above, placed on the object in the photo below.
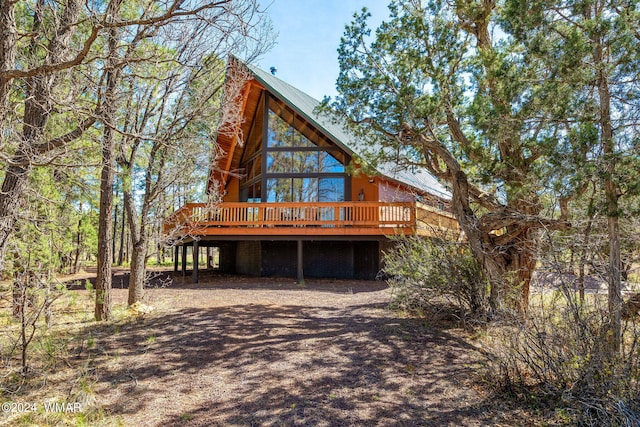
pixel 423 272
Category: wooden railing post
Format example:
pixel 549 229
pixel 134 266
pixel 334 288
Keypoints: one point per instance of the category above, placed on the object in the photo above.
pixel 379 217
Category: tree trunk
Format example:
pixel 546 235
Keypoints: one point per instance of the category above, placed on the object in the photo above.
pixel 140 247
pixel 103 279
pixel 510 272
pixel 158 244
pixel 138 231
pixel 508 261
pixel 509 265
pixel 122 236
pixel 615 279
pixel 611 196
pixel 7 51
pixel 161 252
pixel 114 230
pixel 586 244
pixel 138 271
pixel 11 200
pixel 36 113
pixel 38 106
pixel 76 258
pixel 127 246
pixel 105 227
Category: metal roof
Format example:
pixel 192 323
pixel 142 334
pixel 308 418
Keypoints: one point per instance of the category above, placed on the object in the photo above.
pixel 305 105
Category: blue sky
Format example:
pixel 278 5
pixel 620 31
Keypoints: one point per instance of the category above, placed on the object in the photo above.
pixel 309 34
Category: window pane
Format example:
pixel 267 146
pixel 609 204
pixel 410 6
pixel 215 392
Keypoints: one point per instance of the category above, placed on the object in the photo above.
pixel 248 170
pixel 305 189
pixel 305 161
pixel 280 133
pixel 331 190
pixel 303 141
pixel 329 164
pixel 254 194
pixel 279 189
pixel 280 162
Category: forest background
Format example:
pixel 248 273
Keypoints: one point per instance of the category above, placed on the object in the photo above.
pixel 528 111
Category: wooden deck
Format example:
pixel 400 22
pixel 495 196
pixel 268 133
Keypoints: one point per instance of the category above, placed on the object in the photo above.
pixel 345 219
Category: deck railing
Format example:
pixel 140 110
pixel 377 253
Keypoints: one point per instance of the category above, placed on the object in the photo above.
pixel 195 218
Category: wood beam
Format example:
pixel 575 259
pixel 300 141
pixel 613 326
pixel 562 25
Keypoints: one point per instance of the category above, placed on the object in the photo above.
pixel 184 260
pixel 196 258
pixel 236 136
pixel 300 273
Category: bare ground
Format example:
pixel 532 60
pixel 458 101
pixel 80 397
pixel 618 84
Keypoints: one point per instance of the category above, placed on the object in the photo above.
pixel 238 351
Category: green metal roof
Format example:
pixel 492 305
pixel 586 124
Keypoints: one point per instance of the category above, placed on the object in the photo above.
pixel 306 105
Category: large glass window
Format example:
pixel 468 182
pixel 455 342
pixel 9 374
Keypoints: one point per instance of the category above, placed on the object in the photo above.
pixel 292 190
pixel 279 190
pixel 305 189
pixel 279 133
pixel 300 164
pixel 279 162
pixel 329 164
pixel 331 190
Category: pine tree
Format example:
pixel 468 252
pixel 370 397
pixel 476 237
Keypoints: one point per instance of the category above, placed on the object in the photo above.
pixel 445 85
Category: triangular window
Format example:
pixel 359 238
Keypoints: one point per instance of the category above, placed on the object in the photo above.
pixel 299 164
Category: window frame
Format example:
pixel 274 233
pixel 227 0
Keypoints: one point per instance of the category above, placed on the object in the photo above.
pixel 322 144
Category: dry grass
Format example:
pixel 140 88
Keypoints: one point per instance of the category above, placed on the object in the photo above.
pixel 561 359
pixel 245 351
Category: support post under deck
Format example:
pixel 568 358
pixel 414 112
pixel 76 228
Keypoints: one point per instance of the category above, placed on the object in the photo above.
pixel 196 258
pixel 300 275
pixel 184 260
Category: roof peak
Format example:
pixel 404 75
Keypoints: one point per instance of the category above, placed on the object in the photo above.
pixel 307 106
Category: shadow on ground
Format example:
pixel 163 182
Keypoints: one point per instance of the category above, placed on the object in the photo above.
pixel 264 364
pixel 212 279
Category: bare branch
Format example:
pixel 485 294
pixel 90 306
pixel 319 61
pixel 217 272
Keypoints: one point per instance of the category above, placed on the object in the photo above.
pixel 172 13
pixel 68 137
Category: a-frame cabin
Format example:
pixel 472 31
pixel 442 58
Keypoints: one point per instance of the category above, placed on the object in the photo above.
pixel 293 203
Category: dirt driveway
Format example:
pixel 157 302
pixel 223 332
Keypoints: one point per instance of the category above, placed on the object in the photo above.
pixel 246 352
